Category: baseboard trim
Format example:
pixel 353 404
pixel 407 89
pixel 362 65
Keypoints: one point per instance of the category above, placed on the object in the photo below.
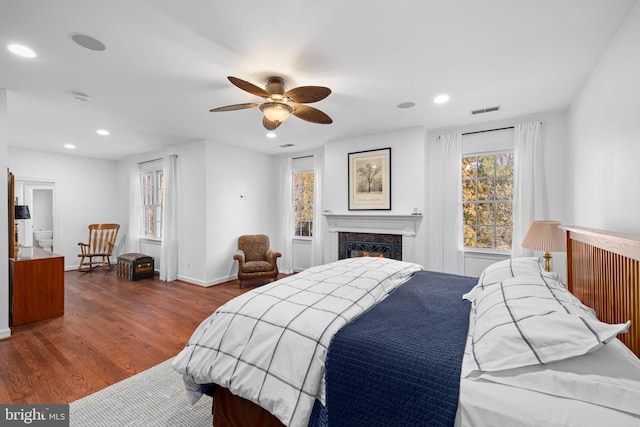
pixel 191 280
pixel 207 283
pixel 5 333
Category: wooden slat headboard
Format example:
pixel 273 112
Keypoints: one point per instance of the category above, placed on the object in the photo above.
pixel 603 270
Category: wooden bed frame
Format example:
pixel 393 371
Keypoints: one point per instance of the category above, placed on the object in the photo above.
pixel 603 270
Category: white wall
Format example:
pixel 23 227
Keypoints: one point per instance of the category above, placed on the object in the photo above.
pixel 211 177
pixel 42 206
pixel 554 139
pixel 604 138
pixel 230 172
pixel 191 177
pixel 192 213
pixel 85 193
pixel 407 174
pixel 4 219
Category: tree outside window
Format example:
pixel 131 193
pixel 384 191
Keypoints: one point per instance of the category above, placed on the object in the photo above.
pixel 303 195
pixel 487 195
pixel 152 200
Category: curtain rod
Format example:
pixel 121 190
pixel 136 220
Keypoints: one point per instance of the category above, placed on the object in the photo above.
pixel 302 157
pixel 154 160
pixel 488 130
pixel 149 161
pixel 483 131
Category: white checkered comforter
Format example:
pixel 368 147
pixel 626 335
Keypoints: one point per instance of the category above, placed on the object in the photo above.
pixel 269 345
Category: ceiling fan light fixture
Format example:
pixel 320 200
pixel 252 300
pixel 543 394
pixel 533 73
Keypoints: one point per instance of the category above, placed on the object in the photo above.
pixel 281 103
pixel 276 111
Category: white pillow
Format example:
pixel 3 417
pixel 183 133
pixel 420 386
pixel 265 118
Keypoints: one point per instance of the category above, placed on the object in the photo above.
pixel 513 267
pixel 529 320
pixel 609 377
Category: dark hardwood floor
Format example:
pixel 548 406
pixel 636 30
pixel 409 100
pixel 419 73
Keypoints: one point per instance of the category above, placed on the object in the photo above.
pixel 111 329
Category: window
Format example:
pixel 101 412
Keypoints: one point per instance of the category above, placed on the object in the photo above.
pixel 303 196
pixel 487 194
pixel 152 200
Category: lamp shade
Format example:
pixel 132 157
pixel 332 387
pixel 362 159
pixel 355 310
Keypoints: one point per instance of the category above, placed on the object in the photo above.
pixel 545 236
pixel 22 212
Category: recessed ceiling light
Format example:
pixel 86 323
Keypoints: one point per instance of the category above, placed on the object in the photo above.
pixel 441 99
pixel 406 104
pixel 271 135
pixel 69 146
pixel 87 42
pixel 102 132
pixel 20 50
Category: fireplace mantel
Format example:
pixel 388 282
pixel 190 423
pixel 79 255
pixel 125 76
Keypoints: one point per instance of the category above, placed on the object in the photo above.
pixel 405 225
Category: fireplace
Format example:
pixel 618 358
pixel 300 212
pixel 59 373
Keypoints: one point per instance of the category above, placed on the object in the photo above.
pixel 400 228
pixel 353 245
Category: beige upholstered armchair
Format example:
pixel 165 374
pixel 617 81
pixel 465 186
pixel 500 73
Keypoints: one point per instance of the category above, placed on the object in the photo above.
pixel 256 260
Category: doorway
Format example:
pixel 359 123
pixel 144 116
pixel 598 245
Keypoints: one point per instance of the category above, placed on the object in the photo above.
pixel 40 197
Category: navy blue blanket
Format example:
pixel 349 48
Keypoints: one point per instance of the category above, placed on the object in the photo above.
pixel 399 364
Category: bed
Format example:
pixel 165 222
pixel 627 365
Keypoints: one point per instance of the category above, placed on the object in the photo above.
pixel 395 345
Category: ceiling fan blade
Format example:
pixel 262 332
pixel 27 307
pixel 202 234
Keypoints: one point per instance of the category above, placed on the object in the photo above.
pixel 306 94
pixel 249 87
pixel 234 107
pixel 270 124
pixel 311 114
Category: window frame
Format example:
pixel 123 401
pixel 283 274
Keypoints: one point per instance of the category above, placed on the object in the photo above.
pixel 311 204
pixel 157 198
pixel 480 153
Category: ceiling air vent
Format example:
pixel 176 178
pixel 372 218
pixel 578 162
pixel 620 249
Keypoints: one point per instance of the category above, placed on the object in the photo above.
pixel 286 145
pixel 485 110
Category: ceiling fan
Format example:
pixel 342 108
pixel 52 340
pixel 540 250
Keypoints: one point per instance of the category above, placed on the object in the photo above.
pixel 280 103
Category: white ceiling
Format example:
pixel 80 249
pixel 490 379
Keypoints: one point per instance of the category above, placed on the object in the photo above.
pixel 166 62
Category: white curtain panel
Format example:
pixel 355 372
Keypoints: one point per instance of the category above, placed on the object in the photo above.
pixel 135 209
pixel 317 244
pixel 452 232
pixel 529 186
pixel 285 242
pixel 169 247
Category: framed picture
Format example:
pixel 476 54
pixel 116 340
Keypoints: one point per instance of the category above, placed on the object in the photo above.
pixel 370 180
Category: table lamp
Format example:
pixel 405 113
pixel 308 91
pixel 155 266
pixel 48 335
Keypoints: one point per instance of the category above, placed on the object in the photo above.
pixel 21 213
pixel 545 236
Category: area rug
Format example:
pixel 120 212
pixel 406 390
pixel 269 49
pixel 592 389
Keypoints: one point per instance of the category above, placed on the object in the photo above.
pixel 155 397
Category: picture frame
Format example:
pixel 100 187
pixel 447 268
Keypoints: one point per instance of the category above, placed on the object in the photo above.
pixel 370 180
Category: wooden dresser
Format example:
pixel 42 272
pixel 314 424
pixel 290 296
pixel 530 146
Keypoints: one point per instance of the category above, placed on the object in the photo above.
pixel 36 286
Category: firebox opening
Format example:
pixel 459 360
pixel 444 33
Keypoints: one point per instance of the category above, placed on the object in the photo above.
pixel 369 249
pixel 352 245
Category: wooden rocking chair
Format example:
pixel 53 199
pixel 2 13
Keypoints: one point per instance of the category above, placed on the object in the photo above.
pixel 102 238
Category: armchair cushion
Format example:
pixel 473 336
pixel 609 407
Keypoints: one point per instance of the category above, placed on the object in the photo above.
pixel 257 267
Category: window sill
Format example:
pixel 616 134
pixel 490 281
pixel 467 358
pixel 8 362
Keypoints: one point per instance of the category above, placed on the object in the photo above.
pixel 486 253
pixel 303 239
pixel 152 240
